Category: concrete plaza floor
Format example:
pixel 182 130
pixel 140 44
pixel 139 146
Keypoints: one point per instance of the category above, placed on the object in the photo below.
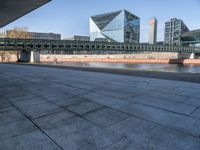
pixel 55 109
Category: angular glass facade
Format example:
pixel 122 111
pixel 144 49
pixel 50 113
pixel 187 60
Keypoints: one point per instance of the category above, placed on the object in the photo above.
pixel 119 26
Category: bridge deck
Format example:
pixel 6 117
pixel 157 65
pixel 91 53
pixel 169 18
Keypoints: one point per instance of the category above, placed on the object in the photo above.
pixel 49 108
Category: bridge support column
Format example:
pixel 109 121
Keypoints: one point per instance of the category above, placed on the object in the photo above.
pixel 24 56
pixel 35 57
pixel 192 56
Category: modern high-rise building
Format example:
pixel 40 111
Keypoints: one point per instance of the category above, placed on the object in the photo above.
pixel 153 31
pixel 119 26
pixel 173 29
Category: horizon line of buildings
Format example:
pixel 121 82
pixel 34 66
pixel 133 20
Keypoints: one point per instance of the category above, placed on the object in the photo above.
pixel 123 26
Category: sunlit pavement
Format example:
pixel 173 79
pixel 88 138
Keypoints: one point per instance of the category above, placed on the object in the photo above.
pixel 48 108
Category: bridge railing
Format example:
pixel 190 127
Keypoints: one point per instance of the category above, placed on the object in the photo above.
pixel 62 45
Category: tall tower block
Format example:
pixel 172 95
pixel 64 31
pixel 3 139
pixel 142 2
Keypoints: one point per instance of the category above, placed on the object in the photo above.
pixel 153 31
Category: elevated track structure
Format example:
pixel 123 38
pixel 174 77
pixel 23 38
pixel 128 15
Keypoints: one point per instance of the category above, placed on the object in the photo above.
pixel 33 47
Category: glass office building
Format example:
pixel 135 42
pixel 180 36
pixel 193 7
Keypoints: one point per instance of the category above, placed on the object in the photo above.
pixel 173 29
pixel 191 38
pixel 119 26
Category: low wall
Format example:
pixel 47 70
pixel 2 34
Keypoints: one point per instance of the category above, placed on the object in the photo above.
pixel 143 56
pixel 8 57
pixel 146 57
pixel 167 58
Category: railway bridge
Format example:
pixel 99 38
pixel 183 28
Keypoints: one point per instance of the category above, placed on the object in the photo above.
pixel 35 46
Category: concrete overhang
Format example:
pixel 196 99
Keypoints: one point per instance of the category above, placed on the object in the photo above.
pixel 11 10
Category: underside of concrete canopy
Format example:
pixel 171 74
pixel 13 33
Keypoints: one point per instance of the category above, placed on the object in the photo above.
pixel 11 10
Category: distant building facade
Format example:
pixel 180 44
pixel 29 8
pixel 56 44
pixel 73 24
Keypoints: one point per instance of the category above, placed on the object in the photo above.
pixel 119 26
pixel 191 38
pixel 33 35
pixel 78 38
pixel 49 36
pixel 173 29
pixel 153 31
pixel 160 42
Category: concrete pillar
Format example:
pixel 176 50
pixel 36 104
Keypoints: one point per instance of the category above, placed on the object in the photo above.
pixel 35 57
pixel 192 56
pixel 24 56
pixel 179 55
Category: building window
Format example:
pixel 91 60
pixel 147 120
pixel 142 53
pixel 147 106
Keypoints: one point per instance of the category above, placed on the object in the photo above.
pixel 128 35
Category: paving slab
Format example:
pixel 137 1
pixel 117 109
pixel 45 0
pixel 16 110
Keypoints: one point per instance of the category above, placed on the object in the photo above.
pixel 165 104
pixel 54 119
pixel 73 90
pixel 66 101
pixel 142 134
pixel 165 96
pixel 15 128
pixel 39 110
pixel 196 113
pixel 105 116
pixel 189 92
pixel 9 116
pixel 176 121
pixel 84 107
pixel 106 100
pixel 29 101
pixel 82 135
pixel 15 92
pixel 72 132
pixel 34 140
pixel 192 101
pixel 4 105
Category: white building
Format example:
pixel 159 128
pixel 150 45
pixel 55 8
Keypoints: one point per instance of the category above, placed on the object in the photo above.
pixel 78 38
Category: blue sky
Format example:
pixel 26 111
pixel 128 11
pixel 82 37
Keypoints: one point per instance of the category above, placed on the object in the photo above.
pixel 71 17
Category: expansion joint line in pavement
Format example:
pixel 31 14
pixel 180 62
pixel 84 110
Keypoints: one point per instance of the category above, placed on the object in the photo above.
pixel 194 110
pixel 167 110
pixel 35 124
pixel 161 125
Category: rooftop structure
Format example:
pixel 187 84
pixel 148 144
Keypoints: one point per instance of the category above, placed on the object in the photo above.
pixel 119 26
pixel 11 10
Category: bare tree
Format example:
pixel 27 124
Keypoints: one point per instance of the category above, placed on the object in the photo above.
pixel 18 32
pixel 2 55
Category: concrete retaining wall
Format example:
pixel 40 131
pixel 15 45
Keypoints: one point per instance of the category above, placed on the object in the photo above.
pixel 12 57
pixel 152 55
pixel 8 57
